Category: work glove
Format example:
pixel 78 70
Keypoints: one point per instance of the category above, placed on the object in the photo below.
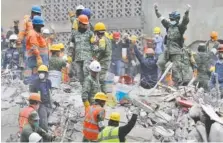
pixel 195 72
pixel 155 5
pixel 39 61
pixel 86 104
pixel 133 63
pixel 188 8
pixel 214 51
pixel 71 13
pixel 113 64
pixel 69 59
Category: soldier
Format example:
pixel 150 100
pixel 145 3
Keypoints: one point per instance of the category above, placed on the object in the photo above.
pixel 203 63
pixel 174 44
pixel 80 47
pixel 91 84
pixel 102 50
pixel 56 63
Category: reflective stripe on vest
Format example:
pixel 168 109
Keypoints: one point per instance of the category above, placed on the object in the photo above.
pixel 91 129
pixel 109 134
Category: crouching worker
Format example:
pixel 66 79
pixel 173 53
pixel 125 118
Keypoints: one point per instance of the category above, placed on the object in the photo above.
pixel 42 85
pixel 149 74
pixel 91 84
pixel 94 117
pixel 33 127
pixel 114 133
pixel 34 102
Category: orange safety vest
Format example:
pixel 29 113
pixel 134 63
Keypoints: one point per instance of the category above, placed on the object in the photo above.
pixel 27 26
pixel 23 116
pixel 91 129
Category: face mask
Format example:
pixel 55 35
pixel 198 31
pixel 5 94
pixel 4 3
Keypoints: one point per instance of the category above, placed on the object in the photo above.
pixel 156 35
pixel 82 30
pixel 173 22
pixel 36 124
pixel 12 44
pixel 41 75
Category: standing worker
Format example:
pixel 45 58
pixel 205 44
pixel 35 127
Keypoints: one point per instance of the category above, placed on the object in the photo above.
pixel 174 44
pixel 34 102
pixel 36 47
pixel 103 51
pixel 81 48
pixel 42 85
pixel 158 40
pixel 114 133
pixel 74 17
pixel 91 84
pixel 95 115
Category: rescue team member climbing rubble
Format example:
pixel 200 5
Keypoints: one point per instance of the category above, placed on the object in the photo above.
pixel 102 51
pixel 80 47
pixel 42 85
pixel 33 127
pixel 114 133
pixel 91 84
pixel 34 102
pixel 94 117
pixel 37 51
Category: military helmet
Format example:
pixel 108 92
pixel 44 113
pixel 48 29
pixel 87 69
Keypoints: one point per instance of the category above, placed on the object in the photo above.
pixel 174 15
pixel 201 47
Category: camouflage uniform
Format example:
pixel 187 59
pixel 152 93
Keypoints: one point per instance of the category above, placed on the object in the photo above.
pixel 174 51
pixel 103 56
pixel 203 63
pixel 81 52
pixel 210 45
pixel 90 88
pixel 56 63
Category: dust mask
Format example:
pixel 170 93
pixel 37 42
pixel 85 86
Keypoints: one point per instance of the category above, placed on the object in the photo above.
pixel 173 22
pixel 41 75
pixel 156 35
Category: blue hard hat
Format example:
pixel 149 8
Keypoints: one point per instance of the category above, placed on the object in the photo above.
pixel 174 15
pixel 36 9
pixel 86 12
pixel 38 20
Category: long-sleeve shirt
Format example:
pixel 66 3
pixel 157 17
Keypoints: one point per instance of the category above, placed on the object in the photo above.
pixel 159 47
pixel 116 51
pixel 11 55
pixel 124 130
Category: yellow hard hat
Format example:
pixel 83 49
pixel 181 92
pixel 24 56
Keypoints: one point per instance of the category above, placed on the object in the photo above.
pixel 61 45
pixel 99 27
pixel 115 116
pixel 43 68
pixel 156 30
pixel 55 47
pixel 100 96
pixel 69 59
pixel 133 38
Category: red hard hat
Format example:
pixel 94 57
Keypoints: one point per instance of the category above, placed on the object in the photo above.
pixel 149 51
pixel 116 35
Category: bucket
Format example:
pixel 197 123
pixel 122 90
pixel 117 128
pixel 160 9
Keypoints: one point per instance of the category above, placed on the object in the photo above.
pixel 55 77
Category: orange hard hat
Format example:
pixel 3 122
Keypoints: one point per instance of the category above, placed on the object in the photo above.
pixel 214 34
pixel 149 51
pixel 83 19
pixel 220 48
pixel 35 97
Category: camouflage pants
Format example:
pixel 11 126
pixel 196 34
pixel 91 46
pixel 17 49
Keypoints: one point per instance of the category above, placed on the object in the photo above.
pixel 102 75
pixel 82 70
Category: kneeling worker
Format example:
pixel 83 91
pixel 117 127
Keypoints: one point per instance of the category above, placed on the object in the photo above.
pixel 114 133
pixel 95 115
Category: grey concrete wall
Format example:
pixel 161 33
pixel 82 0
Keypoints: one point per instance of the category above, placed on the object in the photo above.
pixel 15 10
pixel 205 16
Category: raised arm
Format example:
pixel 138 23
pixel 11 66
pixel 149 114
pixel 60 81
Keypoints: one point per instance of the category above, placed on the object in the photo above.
pixel 185 21
pixel 164 22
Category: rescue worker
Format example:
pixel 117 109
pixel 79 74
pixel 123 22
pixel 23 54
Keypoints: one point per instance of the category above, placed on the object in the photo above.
pixel 117 64
pixel 34 102
pixel 74 17
pixel 35 138
pixel 88 13
pixel 33 127
pixel 148 72
pixel 174 44
pixel 80 47
pixel 94 117
pixel 42 85
pixel 114 133
pixel 11 57
pixel 203 65
pixel 102 51
pixel 56 63
pixel 158 40
pixel 91 84
pixel 36 47
pixel 217 76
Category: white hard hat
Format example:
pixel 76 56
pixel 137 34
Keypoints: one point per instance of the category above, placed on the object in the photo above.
pixel 95 66
pixel 13 37
pixel 34 138
pixel 46 31
pixel 80 7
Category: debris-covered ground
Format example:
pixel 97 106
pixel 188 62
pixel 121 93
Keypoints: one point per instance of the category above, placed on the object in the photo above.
pixel 163 116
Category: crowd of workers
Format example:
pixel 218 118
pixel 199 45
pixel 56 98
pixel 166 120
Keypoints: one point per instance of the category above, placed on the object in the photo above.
pixel 91 53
